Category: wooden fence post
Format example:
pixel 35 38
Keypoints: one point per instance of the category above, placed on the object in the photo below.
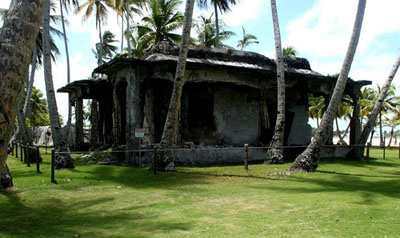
pixel 22 153
pixel 155 159
pixel 26 152
pixel 246 157
pixel 367 156
pixel 12 148
pixel 37 160
pixel 53 155
pixel 16 150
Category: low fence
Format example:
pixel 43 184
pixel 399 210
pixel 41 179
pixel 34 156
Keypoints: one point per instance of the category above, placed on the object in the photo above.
pixel 182 156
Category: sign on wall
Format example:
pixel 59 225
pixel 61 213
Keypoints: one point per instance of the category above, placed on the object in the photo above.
pixel 139 132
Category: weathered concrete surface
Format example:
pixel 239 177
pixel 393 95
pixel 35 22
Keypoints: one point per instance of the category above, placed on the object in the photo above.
pixel 237 117
pixel 300 133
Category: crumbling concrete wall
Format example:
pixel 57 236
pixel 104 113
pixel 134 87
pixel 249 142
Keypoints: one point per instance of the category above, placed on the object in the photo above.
pixel 237 117
pixel 300 133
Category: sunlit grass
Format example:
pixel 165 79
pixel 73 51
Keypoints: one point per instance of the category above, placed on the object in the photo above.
pixel 341 199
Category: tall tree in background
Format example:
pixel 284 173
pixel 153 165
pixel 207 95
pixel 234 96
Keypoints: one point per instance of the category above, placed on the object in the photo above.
pixel 308 160
pixel 206 30
pixel 125 8
pixel 59 143
pixel 274 154
pixel 171 122
pixel 388 105
pixel 316 107
pixel 100 7
pixel 108 49
pixel 66 4
pixel 16 45
pixel 222 6
pixel 247 39
pixel 164 18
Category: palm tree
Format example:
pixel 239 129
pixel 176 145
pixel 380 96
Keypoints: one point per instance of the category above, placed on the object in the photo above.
pixel 14 71
pixel 358 151
pixel 39 112
pixel 308 160
pixel 108 49
pixel 3 14
pixel 125 8
pixel 388 105
pixel 164 18
pixel 246 40
pixel 59 143
pixel 316 107
pixel 207 32
pixel 274 154
pixel 223 6
pixel 100 7
pixel 66 4
pixel 344 112
pixel 392 123
pixel 171 122
pixel 289 51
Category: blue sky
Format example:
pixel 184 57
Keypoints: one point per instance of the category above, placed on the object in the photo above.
pixel 318 29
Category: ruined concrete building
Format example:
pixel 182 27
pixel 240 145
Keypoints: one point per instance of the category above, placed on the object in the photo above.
pixel 229 99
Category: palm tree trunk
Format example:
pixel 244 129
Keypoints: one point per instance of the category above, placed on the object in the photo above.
pixel 274 155
pixel 64 160
pixel 100 56
pixel 122 33
pixel 27 108
pixel 15 55
pixel 346 131
pixel 308 160
pixel 216 25
pixel 68 69
pixel 171 122
pixel 372 136
pixel 338 131
pixel 391 137
pixel 377 107
pixel 381 142
pixel 127 36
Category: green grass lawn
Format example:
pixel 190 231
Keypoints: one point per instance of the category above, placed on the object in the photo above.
pixel 341 199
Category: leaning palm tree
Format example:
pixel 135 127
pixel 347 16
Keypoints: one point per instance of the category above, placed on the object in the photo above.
pixel 164 18
pixel 274 154
pixel 222 6
pixel 109 50
pixel 100 7
pixel 17 44
pixel 246 40
pixel 308 160
pixel 59 143
pixel 377 108
pixel 171 122
pixel 206 30
pixel 343 112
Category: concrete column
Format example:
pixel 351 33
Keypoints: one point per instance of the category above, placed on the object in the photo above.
pixel 355 123
pixel 79 121
pixel 133 111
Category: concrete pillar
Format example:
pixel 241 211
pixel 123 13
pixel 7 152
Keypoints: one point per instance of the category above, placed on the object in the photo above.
pixel 133 111
pixel 355 123
pixel 79 121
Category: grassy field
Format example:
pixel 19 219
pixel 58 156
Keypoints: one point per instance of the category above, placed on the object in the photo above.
pixel 341 199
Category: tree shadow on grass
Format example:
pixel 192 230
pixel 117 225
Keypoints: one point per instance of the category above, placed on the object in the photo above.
pixel 138 178
pixel 368 185
pixel 82 217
